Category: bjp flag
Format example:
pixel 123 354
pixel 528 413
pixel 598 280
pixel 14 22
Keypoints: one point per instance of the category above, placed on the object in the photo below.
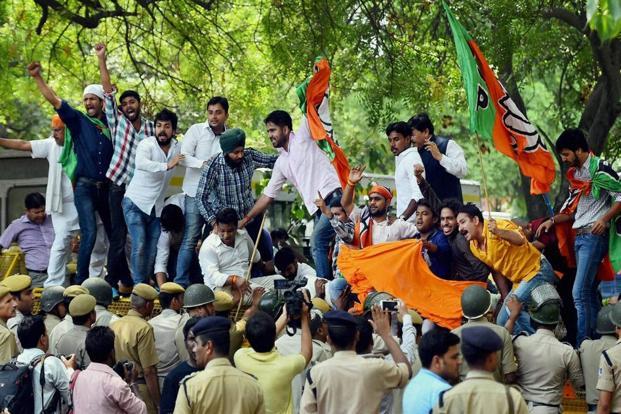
pixel 496 117
pixel 399 269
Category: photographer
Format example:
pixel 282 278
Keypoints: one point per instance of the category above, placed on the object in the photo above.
pixel 274 371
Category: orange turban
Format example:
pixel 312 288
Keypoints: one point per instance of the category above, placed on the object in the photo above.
pixel 57 122
pixel 381 190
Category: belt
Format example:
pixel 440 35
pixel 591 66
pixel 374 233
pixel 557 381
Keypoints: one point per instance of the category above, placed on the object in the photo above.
pixel 98 184
pixel 584 230
pixel 540 404
pixel 36 271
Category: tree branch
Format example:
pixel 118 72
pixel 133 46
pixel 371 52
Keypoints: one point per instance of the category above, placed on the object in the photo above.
pixel 567 17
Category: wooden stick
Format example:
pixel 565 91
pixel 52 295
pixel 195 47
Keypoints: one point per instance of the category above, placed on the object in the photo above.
pixel 254 252
pixel 483 178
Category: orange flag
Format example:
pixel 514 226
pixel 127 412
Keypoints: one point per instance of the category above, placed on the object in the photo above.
pixel 399 269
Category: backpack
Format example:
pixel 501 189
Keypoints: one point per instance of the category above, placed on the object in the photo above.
pixel 16 393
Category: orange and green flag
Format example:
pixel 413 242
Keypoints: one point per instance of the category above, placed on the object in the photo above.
pixel 314 94
pixel 496 117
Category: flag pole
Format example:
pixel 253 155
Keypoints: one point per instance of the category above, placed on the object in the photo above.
pixel 254 252
pixel 483 176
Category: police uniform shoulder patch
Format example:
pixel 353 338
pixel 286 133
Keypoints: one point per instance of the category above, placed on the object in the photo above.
pixel 518 335
pixel 188 377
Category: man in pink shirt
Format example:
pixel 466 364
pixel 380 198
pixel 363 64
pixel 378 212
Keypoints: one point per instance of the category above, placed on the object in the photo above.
pixel 99 389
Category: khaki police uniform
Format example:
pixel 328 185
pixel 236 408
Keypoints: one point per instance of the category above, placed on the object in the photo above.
pixel 544 365
pixel 479 393
pixel 73 341
pixel 16 284
pixel 104 316
pixel 590 354
pixel 610 375
pixel 164 328
pixel 66 324
pixel 51 321
pixel 8 346
pixel 219 388
pixel 506 358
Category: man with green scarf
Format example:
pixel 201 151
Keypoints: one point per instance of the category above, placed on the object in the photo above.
pixel 594 204
pixel 89 137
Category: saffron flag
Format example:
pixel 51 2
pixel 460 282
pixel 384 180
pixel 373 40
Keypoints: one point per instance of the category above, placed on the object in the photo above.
pixel 495 116
pixel 399 269
pixel 314 104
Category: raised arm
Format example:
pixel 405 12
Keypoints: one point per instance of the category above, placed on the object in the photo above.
pixel 104 75
pixel 35 71
pixel 15 144
pixel 382 328
pixel 347 201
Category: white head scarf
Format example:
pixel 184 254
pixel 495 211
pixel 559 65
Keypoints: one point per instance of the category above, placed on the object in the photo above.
pixel 94 89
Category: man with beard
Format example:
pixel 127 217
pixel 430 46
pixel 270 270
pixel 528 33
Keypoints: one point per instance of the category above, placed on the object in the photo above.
pixel 144 199
pixel 309 169
pixel 87 163
pixel 226 181
pixel 127 128
pixel 594 204
pixel 200 144
pixel 59 204
pixel 436 248
pixel 406 157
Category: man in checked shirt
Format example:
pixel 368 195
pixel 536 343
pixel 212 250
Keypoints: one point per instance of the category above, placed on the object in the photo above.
pixel 127 128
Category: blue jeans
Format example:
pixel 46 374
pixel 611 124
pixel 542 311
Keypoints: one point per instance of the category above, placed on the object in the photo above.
pixel 90 198
pixel 522 293
pixel 187 251
pixel 265 244
pixel 590 250
pixel 322 236
pixel 145 231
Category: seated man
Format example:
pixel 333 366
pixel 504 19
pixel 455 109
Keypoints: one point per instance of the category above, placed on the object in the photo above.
pixel 372 224
pixel 289 267
pixel 436 248
pixel 34 234
pixel 224 258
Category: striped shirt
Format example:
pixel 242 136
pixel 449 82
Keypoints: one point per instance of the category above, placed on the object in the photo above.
pixel 223 186
pixel 125 140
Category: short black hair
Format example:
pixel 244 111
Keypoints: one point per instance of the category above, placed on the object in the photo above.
pixel 475 357
pixel 34 200
pixel 424 203
pixel 261 332
pixel 471 210
pixel 227 216
pixel 166 299
pixel 279 233
pixel 399 127
pixel 342 336
pixel 572 139
pixel 421 122
pixel 283 258
pixel 366 335
pixel 30 330
pixel 189 325
pixel 221 100
pixel 172 219
pixel 166 115
pixel 98 343
pixel 452 204
pixel 435 342
pixel 221 340
pixel 127 94
pixel 315 323
pixel 80 320
pixel 280 118
pixel 336 203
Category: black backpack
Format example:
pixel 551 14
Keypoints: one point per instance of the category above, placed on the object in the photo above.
pixel 16 394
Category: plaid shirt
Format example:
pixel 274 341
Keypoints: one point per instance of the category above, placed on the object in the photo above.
pixel 125 140
pixel 223 186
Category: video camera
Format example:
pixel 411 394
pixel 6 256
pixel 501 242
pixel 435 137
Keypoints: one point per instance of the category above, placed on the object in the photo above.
pixel 288 292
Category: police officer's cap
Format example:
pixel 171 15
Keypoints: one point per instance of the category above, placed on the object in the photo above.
pixel 320 305
pixel 604 324
pixel 4 291
pixel 210 324
pixel 197 294
pixel 75 290
pixel 475 302
pixel 51 296
pixel 479 340
pixel 340 318
pixel 100 289
pixel 144 291
pixel 615 314
pixel 171 288
pixel 82 305
pixel 224 301
pixel 17 283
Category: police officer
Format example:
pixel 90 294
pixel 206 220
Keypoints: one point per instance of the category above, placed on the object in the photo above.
pixel 20 287
pixel 544 363
pixel 591 351
pixel 609 381
pixel 134 341
pixel 198 300
pixel 480 393
pixel 102 292
pixel 53 305
pixel 165 326
pixel 82 311
pixel 219 387
pixel 476 302
pixel 8 345
pixel 67 323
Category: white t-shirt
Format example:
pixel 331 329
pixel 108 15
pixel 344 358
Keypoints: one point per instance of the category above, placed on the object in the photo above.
pixel 405 180
pixel 47 148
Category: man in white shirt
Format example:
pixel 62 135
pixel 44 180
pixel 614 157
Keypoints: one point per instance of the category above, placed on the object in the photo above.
pixel 144 199
pixel 288 266
pixel 200 143
pixel 443 158
pixel 307 167
pixel 59 205
pixel 406 157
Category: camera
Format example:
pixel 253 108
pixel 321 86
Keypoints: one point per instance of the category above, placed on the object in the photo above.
pixel 293 300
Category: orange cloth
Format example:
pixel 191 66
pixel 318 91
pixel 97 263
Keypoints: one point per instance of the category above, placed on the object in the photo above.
pixel 57 122
pixel 516 263
pixel 399 269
